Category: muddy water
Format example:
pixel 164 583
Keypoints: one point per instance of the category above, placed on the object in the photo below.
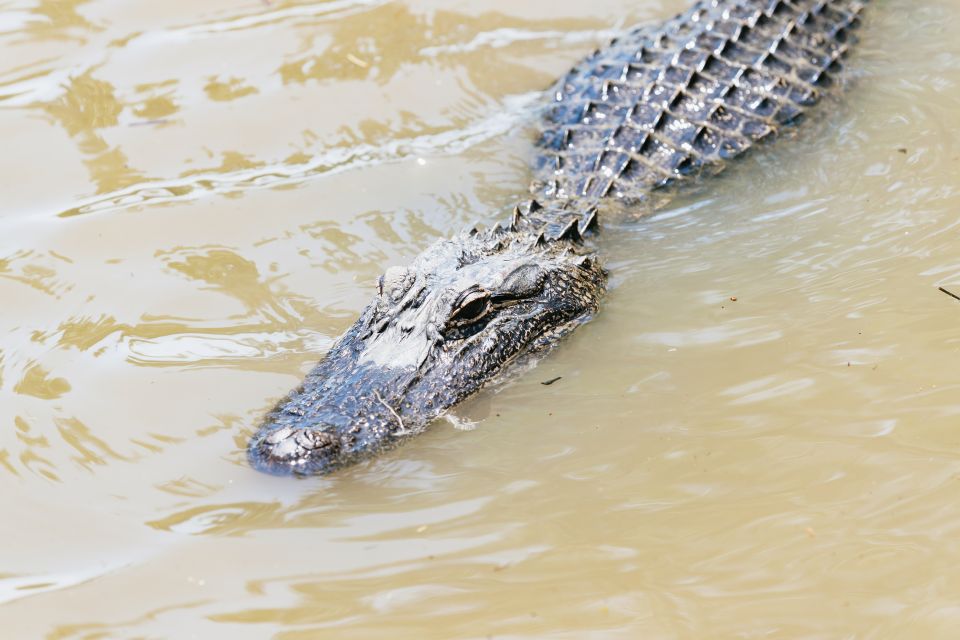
pixel 759 436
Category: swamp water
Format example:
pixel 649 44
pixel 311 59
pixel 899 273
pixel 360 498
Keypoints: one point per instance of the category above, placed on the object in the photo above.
pixel 197 199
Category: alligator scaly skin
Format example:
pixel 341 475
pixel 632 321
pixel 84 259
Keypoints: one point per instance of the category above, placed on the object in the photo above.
pixel 664 103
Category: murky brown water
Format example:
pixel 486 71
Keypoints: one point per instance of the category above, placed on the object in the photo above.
pixel 196 199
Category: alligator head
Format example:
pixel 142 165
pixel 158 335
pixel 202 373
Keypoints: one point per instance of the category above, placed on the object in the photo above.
pixel 436 332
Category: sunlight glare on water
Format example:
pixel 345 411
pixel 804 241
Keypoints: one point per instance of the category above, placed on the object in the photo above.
pixel 758 436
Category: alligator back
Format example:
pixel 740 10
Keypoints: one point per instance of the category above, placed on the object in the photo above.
pixel 665 103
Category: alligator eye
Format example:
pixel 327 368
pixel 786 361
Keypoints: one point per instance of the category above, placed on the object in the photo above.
pixel 472 308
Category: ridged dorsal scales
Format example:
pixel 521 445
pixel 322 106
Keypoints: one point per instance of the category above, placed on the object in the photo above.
pixel 553 221
pixel 664 103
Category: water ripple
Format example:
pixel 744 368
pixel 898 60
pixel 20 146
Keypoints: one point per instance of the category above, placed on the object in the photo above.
pixel 499 38
pixel 514 110
pixel 334 8
pixel 16 587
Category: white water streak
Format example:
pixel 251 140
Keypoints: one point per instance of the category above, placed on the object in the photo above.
pixel 499 38
pixel 332 161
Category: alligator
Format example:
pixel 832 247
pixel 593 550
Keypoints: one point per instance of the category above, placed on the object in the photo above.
pixel 652 110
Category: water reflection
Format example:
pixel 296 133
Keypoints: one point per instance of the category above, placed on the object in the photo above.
pixel 37 382
pixel 227 90
pixel 90 449
pixel 91 103
pixel 704 467
pixel 86 631
pixel 36 270
pixel 31 447
pixel 227 272
pixel 87 106
pixel 58 19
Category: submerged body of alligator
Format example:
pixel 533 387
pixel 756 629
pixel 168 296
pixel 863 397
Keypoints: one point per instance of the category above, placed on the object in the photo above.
pixel 651 109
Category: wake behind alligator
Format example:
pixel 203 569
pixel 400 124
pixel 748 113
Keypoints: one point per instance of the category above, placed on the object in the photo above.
pixel 649 111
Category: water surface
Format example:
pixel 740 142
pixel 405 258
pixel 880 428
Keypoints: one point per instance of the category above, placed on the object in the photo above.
pixel 759 436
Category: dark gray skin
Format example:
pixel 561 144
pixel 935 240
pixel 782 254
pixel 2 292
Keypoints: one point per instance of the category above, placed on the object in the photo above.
pixel 653 109
pixel 436 332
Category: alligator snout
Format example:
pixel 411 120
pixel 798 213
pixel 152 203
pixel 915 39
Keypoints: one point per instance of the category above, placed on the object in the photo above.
pixel 299 450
